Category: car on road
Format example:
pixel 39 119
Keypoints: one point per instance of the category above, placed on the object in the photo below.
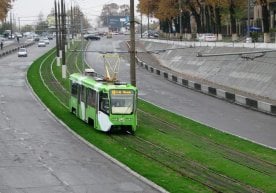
pixel 41 44
pixel 50 37
pixel 109 35
pixel 22 52
pixel 91 37
pixel 36 38
pixel 29 39
pixel 46 40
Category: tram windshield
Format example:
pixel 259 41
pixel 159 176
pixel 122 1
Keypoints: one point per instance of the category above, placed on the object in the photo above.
pixel 122 102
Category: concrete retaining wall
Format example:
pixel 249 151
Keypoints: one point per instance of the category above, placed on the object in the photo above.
pixel 209 90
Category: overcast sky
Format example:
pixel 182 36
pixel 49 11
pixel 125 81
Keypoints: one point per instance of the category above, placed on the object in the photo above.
pixel 30 9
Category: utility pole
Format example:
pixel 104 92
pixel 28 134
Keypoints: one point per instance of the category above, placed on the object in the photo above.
pixel 248 18
pixel 63 34
pixel 148 17
pixel 82 43
pixel 11 23
pixel 132 45
pixel 19 30
pixel 57 36
pixel 141 26
pixel 59 31
pixel 71 21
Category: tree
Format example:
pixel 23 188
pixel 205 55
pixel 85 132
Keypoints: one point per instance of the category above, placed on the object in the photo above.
pixel 124 10
pixel 265 19
pixel 5 6
pixel 41 25
pixel 111 9
pixel 27 28
pixel 149 7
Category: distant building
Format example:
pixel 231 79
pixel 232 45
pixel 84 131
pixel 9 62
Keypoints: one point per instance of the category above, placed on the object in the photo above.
pixel 115 23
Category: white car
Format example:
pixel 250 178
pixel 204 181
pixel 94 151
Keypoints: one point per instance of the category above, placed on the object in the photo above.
pixel 30 39
pixel 22 52
pixel 41 44
pixel 46 40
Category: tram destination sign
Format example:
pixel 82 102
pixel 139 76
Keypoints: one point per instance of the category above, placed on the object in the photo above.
pixel 121 92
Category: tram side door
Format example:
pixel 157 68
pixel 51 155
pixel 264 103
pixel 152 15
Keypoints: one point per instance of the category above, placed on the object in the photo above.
pixel 81 102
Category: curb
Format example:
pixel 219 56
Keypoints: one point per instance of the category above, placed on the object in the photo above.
pixel 12 50
pixel 253 104
pixel 121 165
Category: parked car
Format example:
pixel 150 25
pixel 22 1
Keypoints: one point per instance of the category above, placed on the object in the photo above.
pixel 41 44
pixel 22 52
pixel 150 34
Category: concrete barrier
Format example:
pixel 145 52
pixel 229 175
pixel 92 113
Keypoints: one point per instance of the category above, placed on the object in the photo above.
pixel 204 88
pixel 197 86
pixel 191 84
pixel 240 99
pixel 221 93
pixel 264 106
pixel 185 82
pixel 230 96
pixel 251 103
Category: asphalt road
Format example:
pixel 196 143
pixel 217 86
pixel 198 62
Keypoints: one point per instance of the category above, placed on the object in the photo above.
pixel 224 116
pixel 37 154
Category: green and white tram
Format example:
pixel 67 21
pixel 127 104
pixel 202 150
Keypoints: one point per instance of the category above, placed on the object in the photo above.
pixel 105 105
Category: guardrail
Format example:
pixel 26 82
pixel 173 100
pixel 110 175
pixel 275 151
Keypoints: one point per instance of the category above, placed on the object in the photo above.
pixel 215 92
pixel 14 49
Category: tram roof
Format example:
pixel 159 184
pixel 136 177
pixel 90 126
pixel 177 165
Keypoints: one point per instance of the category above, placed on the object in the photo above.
pixel 99 84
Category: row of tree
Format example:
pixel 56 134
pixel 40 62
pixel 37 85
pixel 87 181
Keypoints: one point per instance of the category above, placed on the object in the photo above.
pixel 208 15
pixel 113 9
pixel 5 6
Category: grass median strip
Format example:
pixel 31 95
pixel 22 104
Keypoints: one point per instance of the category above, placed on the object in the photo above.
pixel 249 165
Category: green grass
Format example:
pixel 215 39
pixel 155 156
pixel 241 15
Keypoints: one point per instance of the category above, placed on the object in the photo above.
pixel 191 139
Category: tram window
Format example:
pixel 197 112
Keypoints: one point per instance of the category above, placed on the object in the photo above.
pixel 74 89
pixel 91 97
pixel 104 103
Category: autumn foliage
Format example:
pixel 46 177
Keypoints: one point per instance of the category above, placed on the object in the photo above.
pixel 209 15
pixel 5 5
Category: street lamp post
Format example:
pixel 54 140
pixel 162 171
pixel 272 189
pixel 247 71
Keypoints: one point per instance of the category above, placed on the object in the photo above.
pixel 141 25
pixel 180 20
pixel 248 18
pixel 148 17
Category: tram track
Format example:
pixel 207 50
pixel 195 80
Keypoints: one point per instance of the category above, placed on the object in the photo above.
pixel 183 166
pixel 249 161
pixel 169 158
